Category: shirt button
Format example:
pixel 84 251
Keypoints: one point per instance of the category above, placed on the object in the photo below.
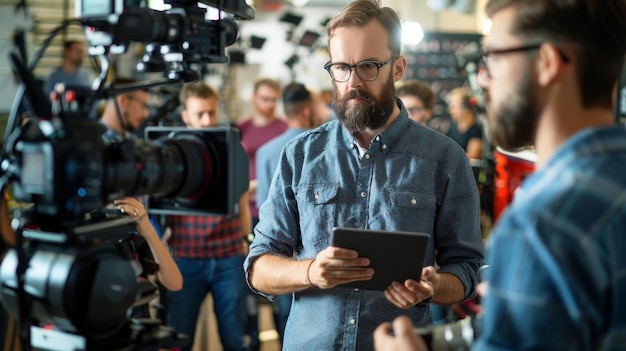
pixel 367 156
pixel 378 138
pixel 317 196
pixel 352 145
pixel 352 321
pixel 413 201
pixel 384 146
pixel 363 194
pixel 356 289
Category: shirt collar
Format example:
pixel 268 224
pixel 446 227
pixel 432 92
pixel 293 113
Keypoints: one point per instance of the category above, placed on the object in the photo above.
pixel 384 140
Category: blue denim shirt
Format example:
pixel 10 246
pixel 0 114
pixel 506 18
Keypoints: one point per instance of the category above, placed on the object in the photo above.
pixel 410 179
pixel 267 157
pixel 557 277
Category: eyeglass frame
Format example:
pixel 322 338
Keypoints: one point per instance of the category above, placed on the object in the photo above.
pixel 143 104
pixel 487 54
pixel 378 65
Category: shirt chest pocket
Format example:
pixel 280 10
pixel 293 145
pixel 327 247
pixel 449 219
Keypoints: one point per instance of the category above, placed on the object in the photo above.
pixel 317 210
pixel 411 211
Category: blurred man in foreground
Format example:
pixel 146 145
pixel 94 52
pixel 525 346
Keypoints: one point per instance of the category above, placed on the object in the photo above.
pixel 557 258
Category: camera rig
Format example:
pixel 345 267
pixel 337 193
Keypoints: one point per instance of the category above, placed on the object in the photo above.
pixel 66 281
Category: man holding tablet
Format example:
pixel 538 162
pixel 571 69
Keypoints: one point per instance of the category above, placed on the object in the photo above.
pixel 372 168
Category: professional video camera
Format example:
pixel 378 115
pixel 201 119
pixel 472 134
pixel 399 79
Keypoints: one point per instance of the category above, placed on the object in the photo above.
pixel 66 281
pixel 175 38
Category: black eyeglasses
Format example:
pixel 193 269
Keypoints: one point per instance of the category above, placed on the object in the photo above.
pixel 366 70
pixel 141 102
pixel 488 55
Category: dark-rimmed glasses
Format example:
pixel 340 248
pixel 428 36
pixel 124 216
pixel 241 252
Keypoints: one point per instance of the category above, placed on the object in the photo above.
pixel 366 70
pixel 488 55
pixel 138 100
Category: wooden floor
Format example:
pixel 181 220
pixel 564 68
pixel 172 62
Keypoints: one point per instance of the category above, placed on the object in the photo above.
pixel 207 338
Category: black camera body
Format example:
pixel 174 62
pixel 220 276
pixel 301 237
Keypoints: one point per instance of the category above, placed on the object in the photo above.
pixel 182 171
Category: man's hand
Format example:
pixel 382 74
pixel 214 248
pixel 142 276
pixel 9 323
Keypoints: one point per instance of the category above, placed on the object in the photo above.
pixel 398 337
pixel 334 266
pixel 413 292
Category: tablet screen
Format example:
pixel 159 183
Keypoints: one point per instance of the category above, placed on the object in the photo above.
pixel 395 256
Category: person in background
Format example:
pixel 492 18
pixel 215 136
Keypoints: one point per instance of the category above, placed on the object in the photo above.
pixel 125 113
pixel 208 249
pixel 259 128
pixel 418 99
pixel 556 256
pixel 298 103
pixel 465 129
pixel 71 72
pixel 372 168
pixel 256 130
pixel 322 113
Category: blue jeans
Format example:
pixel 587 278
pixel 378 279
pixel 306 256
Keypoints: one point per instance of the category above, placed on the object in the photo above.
pixel 224 278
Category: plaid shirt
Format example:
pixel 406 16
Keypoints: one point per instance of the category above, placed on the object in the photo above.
pixel 206 237
pixel 557 276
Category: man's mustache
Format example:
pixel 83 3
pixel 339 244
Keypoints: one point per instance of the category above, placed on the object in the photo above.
pixel 359 94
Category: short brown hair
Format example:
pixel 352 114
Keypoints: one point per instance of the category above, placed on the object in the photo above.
pixel 198 89
pixel 272 83
pixel 360 12
pixel 418 89
pixel 596 28
pixel 69 43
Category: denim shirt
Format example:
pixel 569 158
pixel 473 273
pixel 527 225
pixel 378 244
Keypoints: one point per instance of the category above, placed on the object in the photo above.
pixel 411 178
pixel 557 276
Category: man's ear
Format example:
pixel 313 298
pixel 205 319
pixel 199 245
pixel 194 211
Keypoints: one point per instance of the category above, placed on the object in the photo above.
pixel 550 64
pixel 122 101
pixel 184 116
pixel 399 67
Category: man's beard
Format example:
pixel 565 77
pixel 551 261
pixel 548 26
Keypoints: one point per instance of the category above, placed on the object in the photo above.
pixel 512 124
pixel 372 113
pixel 128 126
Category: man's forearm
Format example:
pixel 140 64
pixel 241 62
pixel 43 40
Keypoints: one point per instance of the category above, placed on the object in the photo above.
pixel 450 290
pixel 276 275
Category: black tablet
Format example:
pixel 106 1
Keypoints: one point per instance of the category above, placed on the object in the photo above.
pixel 395 256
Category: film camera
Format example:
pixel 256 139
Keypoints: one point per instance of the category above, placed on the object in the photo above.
pixel 66 281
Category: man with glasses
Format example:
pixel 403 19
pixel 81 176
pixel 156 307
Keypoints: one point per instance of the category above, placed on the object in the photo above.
pixel 372 168
pixel 125 113
pixel 556 279
pixel 259 128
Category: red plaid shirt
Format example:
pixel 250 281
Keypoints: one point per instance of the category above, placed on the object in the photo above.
pixel 206 237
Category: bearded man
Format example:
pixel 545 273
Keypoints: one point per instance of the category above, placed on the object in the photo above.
pixel 372 168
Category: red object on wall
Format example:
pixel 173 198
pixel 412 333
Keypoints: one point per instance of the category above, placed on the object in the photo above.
pixel 511 169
